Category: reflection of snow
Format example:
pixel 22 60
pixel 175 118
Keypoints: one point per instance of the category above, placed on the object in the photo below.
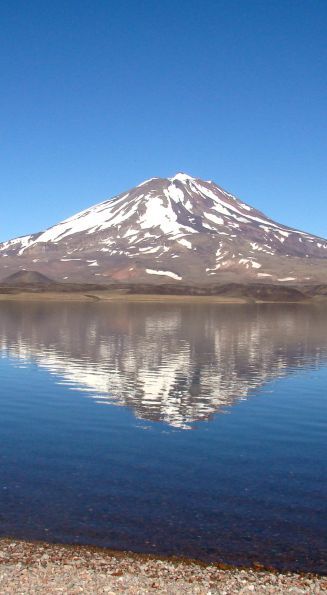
pixel 176 365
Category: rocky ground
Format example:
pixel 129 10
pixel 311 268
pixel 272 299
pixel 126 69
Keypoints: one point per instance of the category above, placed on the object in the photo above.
pixel 28 568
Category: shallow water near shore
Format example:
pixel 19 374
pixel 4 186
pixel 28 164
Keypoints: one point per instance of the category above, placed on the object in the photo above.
pixel 194 430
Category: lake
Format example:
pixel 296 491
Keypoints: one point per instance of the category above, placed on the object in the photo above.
pixel 194 430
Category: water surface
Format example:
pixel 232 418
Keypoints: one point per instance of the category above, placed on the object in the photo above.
pixel 195 430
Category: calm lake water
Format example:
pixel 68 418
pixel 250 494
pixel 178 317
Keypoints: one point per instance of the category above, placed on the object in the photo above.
pixel 194 430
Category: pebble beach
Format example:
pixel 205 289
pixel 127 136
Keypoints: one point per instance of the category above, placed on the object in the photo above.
pixel 28 568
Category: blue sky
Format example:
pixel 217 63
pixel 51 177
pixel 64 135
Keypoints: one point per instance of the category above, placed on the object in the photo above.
pixel 100 95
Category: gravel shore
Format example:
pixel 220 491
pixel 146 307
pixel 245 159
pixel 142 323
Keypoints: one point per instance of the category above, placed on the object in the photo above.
pixel 27 568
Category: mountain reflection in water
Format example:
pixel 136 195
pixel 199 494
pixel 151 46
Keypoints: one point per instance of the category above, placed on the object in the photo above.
pixel 173 363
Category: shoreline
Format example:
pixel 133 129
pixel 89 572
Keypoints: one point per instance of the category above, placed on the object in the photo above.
pixel 103 296
pixel 116 297
pixel 35 566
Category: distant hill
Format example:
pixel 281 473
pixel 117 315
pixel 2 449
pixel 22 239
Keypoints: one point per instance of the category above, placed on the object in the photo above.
pixel 27 278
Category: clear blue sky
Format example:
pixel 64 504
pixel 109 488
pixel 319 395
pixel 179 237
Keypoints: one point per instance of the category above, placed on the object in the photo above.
pixel 98 95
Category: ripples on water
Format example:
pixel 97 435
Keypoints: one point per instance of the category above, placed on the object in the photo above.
pixel 80 384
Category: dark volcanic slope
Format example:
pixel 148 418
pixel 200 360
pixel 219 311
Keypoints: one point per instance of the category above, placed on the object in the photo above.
pixel 178 230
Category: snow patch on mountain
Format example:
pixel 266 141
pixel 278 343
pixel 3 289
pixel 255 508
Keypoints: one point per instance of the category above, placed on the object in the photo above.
pixel 185 243
pixel 214 218
pixel 165 273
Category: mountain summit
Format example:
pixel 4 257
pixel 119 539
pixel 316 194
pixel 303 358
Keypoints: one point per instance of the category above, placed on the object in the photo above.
pixel 179 229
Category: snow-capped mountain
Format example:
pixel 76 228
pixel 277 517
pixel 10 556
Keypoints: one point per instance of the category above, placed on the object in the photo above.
pixel 177 230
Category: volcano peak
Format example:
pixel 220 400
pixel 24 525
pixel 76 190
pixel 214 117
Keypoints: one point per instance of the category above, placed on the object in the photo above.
pixel 181 177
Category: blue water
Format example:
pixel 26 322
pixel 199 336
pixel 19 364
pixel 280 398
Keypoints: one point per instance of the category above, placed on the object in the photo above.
pixel 195 431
